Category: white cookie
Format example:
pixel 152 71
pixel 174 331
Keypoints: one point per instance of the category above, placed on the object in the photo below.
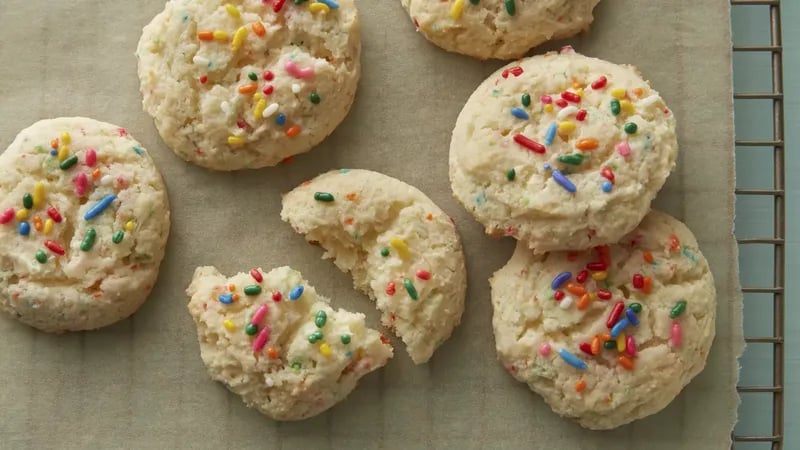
pixel 401 249
pixel 502 29
pixel 246 84
pixel 84 220
pixel 273 341
pixel 562 151
pixel 553 315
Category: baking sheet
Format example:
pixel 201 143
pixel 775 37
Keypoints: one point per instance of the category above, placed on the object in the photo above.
pixel 141 383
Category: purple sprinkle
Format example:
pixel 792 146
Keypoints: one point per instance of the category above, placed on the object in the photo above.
pixel 560 279
pixel 563 181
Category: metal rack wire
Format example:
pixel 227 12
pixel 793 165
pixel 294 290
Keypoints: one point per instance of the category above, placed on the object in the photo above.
pixel 777 240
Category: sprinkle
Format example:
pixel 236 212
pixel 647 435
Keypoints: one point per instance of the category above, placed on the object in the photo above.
pixel 321 319
pixel 610 345
pixel 560 279
pixel 632 318
pixel 566 112
pixel 235 140
pixel 258 29
pixel 561 103
pixel 296 88
pixel 511 174
pixel 548 108
pixel 576 289
pixel 293 131
pixel 549 135
pixel 619 327
pixel 584 301
pixel 118 237
pixel 205 35
pixel 604 294
pixel 248 88
pixel 412 291
pixel 252 289
pixel 314 98
pixel 618 93
pixel 571 97
pixel 48 226
pixel 626 362
pixel 325 349
pixel 520 113
pixel 24 228
pixel 22 214
pixel 582 276
pixel 546 99
pixel 260 313
pixel 225 298
pixel 566 302
pixel 566 127
pixel 272 353
pixel 615 107
pixel 220 35
pixel 296 72
pixel 586 348
pixel 621 342
pixel 615 314
pixel 544 350
pixel 457 9
pixel 270 110
pixel 587 144
pixel 38 195
pixel 251 329
pixel 66 138
pixel 581 115
pixel 295 365
pixel 677 337
pixel 572 360
pixel 627 106
pixel 316 7
pixel 526 99
pixel 630 128
pixel 630 346
pixel 390 288
pixel 384 252
pixel 314 337
pixel 27 201
pixel 256 275
pixel 331 4
pixel 229 325
pixel 280 119
pixel 41 257
pixel 63 152
pixel 563 181
pixel 88 240
pixel 345 339
pixel 595 347
pixel 238 39
pixel 624 149
pixel 69 162
pixel 648 257
pixel 558 295
pixel 99 207
pixel 600 83
pixel 261 340
pixel 423 275
pixel 638 281
pixel 277 5
pixel 674 243
pixel 606 186
pixel 268 75
pixel 678 309
pixel 399 245
pixel 574 159
pixel 7 216
pixel 296 293
pixel 645 102
pixel 511 8
pixel 37 223
pixel 232 10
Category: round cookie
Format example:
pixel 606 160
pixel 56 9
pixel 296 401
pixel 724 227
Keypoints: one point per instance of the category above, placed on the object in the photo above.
pixel 401 249
pixel 246 84
pixel 502 29
pixel 84 219
pixel 273 341
pixel 610 335
pixel 562 151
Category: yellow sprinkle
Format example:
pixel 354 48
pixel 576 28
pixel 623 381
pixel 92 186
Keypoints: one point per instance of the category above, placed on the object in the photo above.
pixel 319 8
pixel 220 35
pixel 65 138
pixel 229 325
pixel 235 140
pixel 579 92
pixel 325 349
pixel 619 93
pixel 457 9
pixel 621 342
pixel 599 276
pixel 129 225
pixel 232 10
pixel 259 109
pixel 566 127
pixel 38 195
pixel 238 38
pixel 626 106
pixel 63 152
pixel 548 108
pixel 257 96
pixel 22 214
pixel 401 247
pixel 48 226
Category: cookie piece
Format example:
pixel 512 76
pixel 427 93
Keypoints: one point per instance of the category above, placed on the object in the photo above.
pixel 246 84
pixel 610 335
pixel 502 29
pixel 401 249
pixel 269 338
pixel 562 151
pixel 84 219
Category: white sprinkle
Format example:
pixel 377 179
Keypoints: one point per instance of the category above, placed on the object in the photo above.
pixel 269 382
pixel 200 61
pixel 270 110
pixel 566 112
pixel 106 180
pixel 295 88
pixel 226 108
pixel 645 102
pixel 566 302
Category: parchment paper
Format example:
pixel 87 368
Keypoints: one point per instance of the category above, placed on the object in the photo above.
pixel 141 383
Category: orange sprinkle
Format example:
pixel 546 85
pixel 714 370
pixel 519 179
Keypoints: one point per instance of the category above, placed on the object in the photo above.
pixel 248 88
pixel 674 243
pixel 580 386
pixel 583 303
pixel 429 216
pixel 236 297
pixel 273 354
pixel 54 143
pixel 258 29
pixel 293 131
pixel 205 35
pixel 37 223
pixel 648 285
pixel 626 362
pixel 638 92
pixel 648 257
pixel 576 289
pixel 348 221
pixel 351 196
pixel 605 336
pixel 231 287
pixel 596 345
pixel 96 174
pixel 587 144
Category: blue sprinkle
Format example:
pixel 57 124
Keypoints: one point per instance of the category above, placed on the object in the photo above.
pixel 296 293
pixel 481 198
pixel 99 207
pixel 226 299
pixel 619 326
pixel 209 64
pixel 344 170
pixel 563 181
pixel 550 135
pixel 547 166
pixel 331 4
pixel 606 186
pixel 520 113
pixel 688 253
pixel 280 119
pixel 138 150
pixel 349 354
pixel 631 314
pixel 53 152
pixel 24 228
pixel 560 279
pixel 572 360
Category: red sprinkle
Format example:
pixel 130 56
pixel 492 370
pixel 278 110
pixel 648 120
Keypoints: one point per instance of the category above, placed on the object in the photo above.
pixel 384 339
pixel 241 123
pixel 529 144
pixel 596 266
pixel 203 79
pixel 54 214
pixel 122 132
pixel 607 173
pixel 423 274
pixel 54 247
pixel 277 5
pixel 91 158
pixel 586 348
pixel 269 76
pixel 581 115
pixel 516 71
pixel 256 275
pixel 546 99
pixel 390 288
pixel 558 295
pixel 276 296
pixel 638 281
pixel 7 216
pixel 600 83
pixel 604 294
pixel 561 103
pixel 604 252
pixel 582 276
pixel 615 313
pixel 572 256
pixel 268 90
pixel 571 97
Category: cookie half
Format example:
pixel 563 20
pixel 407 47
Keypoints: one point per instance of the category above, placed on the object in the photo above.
pixel 84 220
pixel 562 151
pixel 610 335
pixel 271 339
pixel 246 84
pixel 401 249
pixel 502 29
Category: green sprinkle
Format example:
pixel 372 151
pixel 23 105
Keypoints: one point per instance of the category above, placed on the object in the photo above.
pixel 526 99
pixel 412 291
pixel 88 239
pixel 511 174
pixel 296 365
pixel 314 337
pixel 252 76
pixel 323 196
pixel 345 339
pixel 69 162
pixel 474 2
pixel 630 128
pixel 118 237
pixel 511 8
pixel 574 159
pixel 384 252
pixel 321 319
pixel 253 289
pixel 27 201
pixel 636 307
pixel 41 257
pixel 297 2
pixel 251 329
pixel 610 345
pixel 315 98
pixel 678 309
pixel 615 108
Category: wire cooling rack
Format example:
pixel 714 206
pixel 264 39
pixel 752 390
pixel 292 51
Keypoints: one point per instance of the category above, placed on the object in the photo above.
pixel 772 142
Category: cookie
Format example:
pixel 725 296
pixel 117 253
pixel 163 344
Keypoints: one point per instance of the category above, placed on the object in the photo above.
pixel 271 339
pixel 562 151
pixel 609 335
pixel 502 29
pixel 246 84
pixel 84 219
pixel 401 249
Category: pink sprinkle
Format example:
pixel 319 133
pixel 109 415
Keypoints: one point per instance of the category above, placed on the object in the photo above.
pixel 256 275
pixel 81 184
pixel 630 346
pixel 122 132
pixel 624 149
pixel 677 337
pixel 261 340
pixel 544 350
pixel 423 274
pixel 259 315
pixel 7 216
pixel 546 99
pixel 295 71
pixel 91 157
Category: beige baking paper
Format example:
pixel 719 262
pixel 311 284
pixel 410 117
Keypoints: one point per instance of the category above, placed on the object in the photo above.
pixel 141 383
